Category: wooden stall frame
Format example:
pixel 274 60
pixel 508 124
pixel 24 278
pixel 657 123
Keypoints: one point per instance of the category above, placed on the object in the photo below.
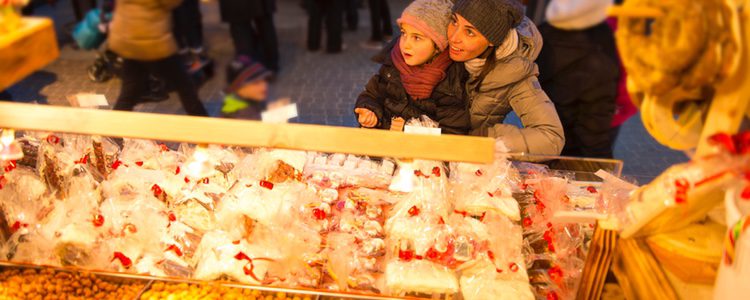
pixel 200 130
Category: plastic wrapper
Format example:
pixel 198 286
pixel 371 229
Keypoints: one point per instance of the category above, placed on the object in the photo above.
pixel 481 188
pixel 224 255
pixel 340 171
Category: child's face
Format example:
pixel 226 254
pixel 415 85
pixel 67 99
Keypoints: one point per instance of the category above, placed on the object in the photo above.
pixel 256 90
pixel 416 48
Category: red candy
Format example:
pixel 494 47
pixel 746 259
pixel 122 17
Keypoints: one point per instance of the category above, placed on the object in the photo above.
pixel 266 184
pixel 319 214
pixel 237 242
pixel 84 160
pixel 432 254
pixel 187 180
pixel 171 217
pixel 441 221
pixel 17 225
pixel 157 190
pixel 241 256
pixel 177 171
pixel 116 164
pixel 205 180
pixel 139 163
pixel 527 222
pixel 491 255
pixel 419 173
pixel 513 267
pixel 591 189
pixel 414 210
pixel 552 296
pixel 53 139
pixel 555 273
pixel 163 148
pixel 479 173
pixel 406 255
pixel 490 194
pixel 98 220
pixel 124 260
pixel 746 193
pixel 436 171
pixel 174 248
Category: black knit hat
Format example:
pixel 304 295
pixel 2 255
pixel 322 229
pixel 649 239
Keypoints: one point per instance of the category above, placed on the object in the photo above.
pixel 493 18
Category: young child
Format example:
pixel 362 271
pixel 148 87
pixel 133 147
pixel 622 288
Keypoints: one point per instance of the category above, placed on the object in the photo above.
pixel 247 91
pixel 417 76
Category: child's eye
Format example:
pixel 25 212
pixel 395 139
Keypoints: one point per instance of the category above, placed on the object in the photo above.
pixel 417 38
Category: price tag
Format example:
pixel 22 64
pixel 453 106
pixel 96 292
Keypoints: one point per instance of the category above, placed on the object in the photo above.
pixel 280 112
pixel 422 130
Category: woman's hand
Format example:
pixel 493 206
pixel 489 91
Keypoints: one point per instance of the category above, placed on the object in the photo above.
pixel 366 117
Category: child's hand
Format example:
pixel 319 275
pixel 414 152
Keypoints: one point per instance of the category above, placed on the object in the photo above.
pixel 367 118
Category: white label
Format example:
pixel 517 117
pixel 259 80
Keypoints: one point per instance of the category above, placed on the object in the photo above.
pixel 422 130
pixel 90 100
pixel 280 114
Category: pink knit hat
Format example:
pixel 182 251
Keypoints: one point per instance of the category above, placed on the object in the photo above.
pixel 430 17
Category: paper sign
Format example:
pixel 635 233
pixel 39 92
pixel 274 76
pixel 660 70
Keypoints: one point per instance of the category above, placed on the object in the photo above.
pixel 280 114
pixel 422 130
pixel 88 100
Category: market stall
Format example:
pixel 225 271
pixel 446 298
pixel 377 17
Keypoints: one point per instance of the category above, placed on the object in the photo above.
pixel 285 210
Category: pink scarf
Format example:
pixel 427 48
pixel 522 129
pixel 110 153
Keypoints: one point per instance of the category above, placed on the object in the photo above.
pixel 419 81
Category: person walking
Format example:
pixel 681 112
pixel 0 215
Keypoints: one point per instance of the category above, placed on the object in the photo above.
pixel 141 33
pixel 579 70
pixel 380 20
pixel 328 11
pixel 252 28
pixel 188 31
pixel 352 14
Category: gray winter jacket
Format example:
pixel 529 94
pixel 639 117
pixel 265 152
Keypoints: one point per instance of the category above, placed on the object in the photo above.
pixel 513 85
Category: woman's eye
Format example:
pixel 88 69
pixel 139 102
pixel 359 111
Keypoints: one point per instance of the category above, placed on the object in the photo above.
pixel 416 38
pixel 469 32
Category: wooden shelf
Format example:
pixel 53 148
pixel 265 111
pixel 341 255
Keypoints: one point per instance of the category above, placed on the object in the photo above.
pixel 199 130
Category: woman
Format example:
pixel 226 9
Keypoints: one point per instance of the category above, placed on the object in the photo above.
pixel 498 47
pixel 141 33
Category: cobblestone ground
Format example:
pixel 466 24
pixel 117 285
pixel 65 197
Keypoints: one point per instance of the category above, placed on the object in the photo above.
pixel 323 85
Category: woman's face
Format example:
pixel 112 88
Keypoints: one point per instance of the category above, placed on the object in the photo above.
pixel 416 48
pixel 465 41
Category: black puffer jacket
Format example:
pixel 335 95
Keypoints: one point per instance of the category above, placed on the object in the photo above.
pixel 386 96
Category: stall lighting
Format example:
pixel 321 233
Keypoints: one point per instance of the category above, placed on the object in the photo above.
pixel 10 149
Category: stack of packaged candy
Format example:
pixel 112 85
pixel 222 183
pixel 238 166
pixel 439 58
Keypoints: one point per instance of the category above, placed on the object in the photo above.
pixel 288 218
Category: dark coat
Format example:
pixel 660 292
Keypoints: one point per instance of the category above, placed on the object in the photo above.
pixel 386 96
pixel 244 10
pixel 579 70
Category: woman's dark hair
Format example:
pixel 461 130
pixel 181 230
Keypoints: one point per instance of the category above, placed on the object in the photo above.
pixel 489 64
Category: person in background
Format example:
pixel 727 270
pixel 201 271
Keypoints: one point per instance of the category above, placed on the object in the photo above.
pixel 498 47
pixel 579 70
pixel 625 107
pixel 380 20
pixel 188 31
pixel 417 76
pixel 352 14
pixel 141 33
pixel 330 11
pixel 247 89
pixel 252 28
